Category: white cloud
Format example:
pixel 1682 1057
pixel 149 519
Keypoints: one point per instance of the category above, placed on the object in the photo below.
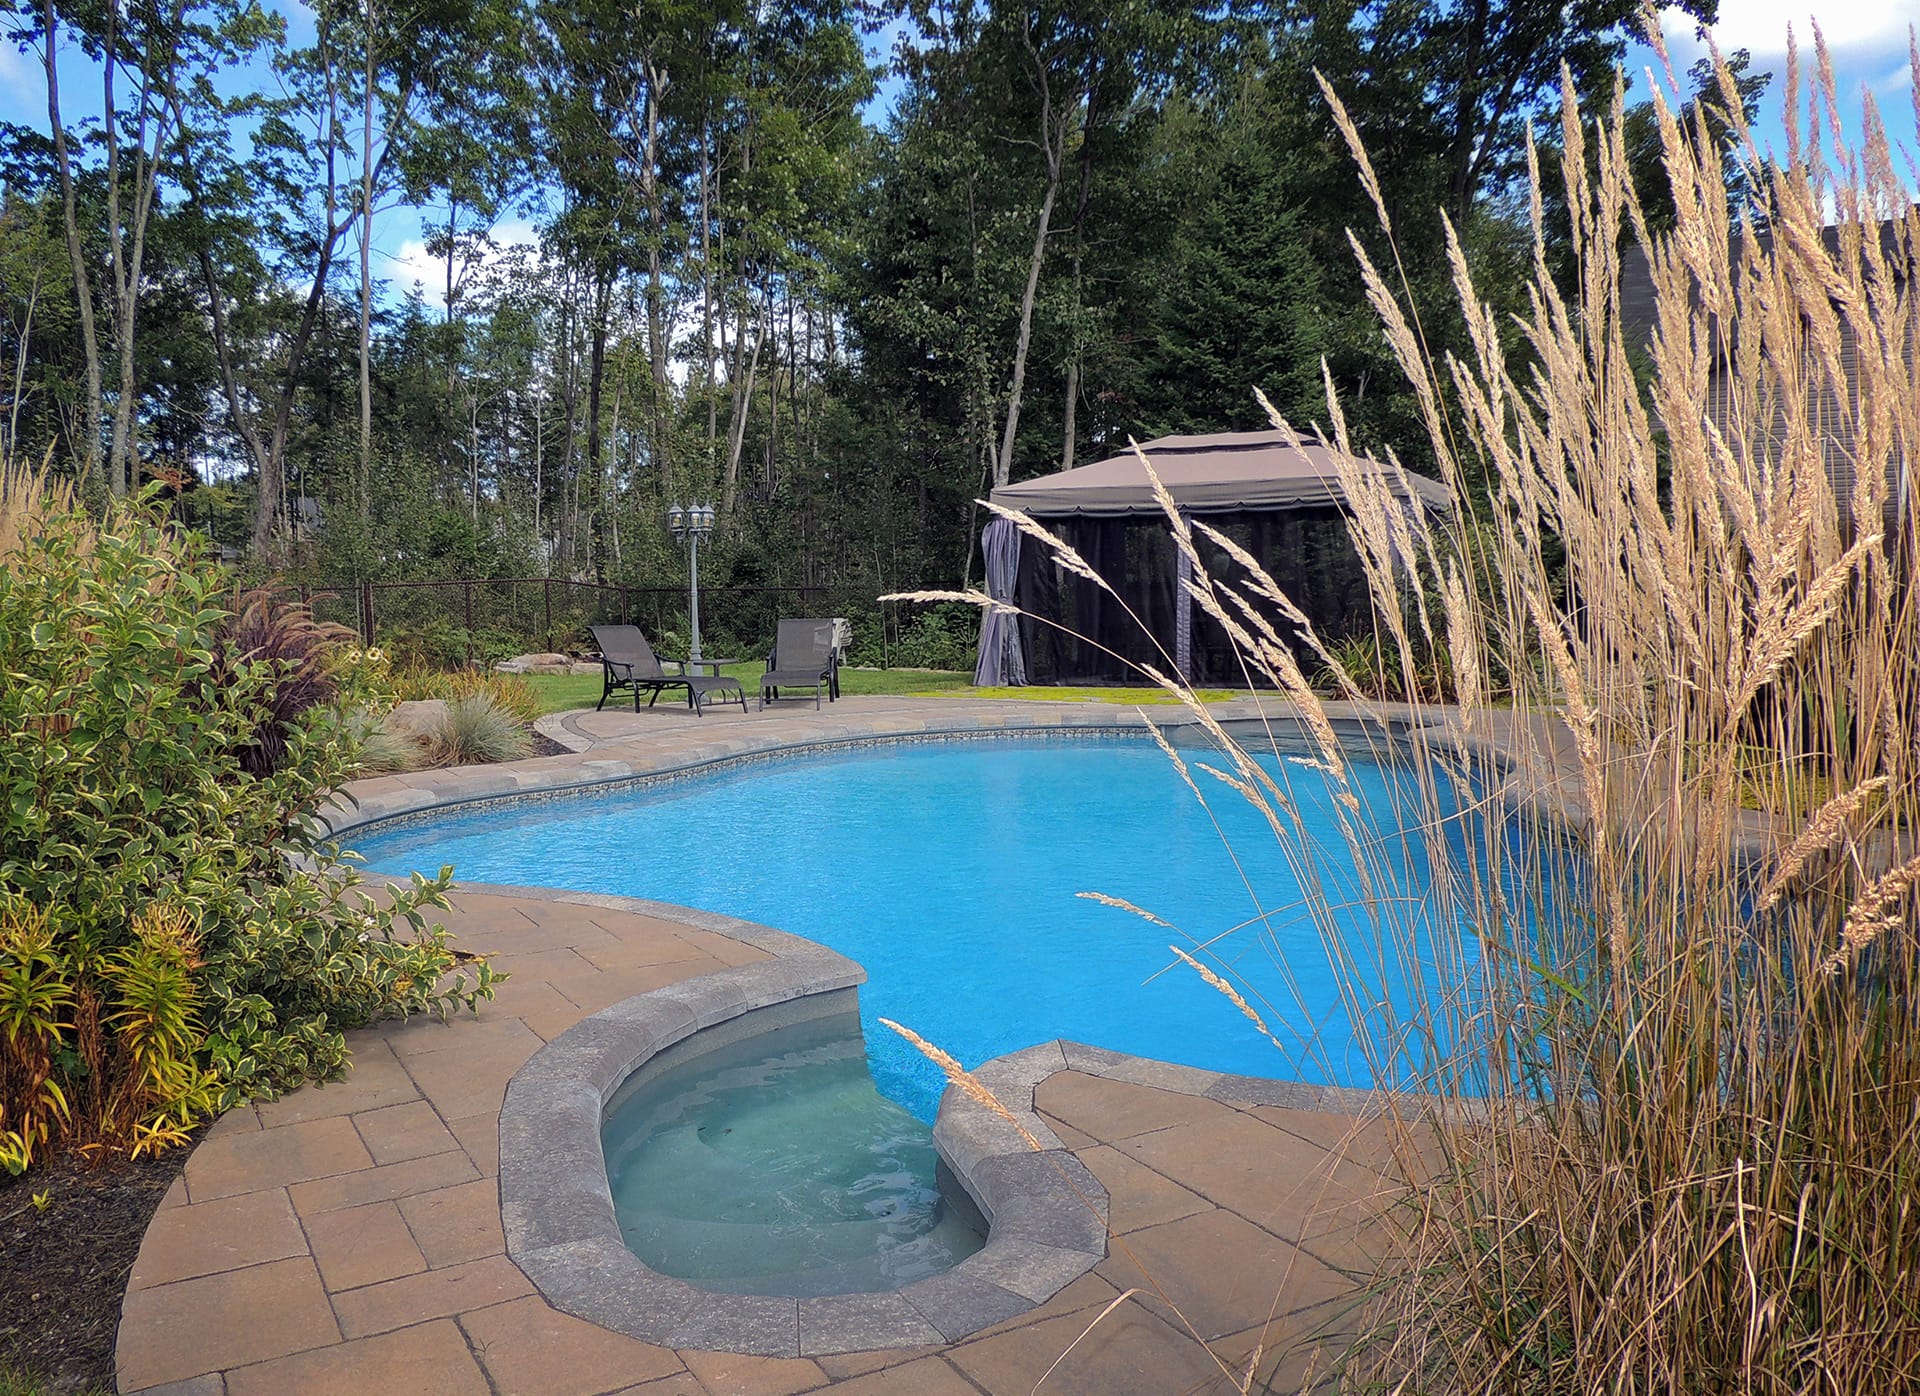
pixel 413 263
pixel 1849 26
pixel 21 75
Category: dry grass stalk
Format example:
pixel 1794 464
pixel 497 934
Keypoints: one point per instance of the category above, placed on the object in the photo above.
pixel 1112 1304
pixel 969 1084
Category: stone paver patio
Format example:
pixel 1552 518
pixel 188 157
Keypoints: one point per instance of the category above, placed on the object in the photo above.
pixel 349 1238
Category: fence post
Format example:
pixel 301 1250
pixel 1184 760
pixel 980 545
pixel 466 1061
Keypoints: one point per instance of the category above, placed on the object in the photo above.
pixel 546 597
pixel 366 612
pixel 467 587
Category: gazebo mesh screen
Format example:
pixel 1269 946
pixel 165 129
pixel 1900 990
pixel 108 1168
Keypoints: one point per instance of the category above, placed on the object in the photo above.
pixel 1306 551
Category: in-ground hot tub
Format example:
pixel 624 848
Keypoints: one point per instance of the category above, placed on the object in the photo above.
pixel 771 1164
pixel 674 1056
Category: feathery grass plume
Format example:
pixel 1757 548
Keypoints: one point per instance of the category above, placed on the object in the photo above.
pixel 1233 995
pixel 1873 914
pixel 1122 904
pixel 267 625
pixel 28 497
pixel 1067 558
pixel 1828 824
pixel 968 1083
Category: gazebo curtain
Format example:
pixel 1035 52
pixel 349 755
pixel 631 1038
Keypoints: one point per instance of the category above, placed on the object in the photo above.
pixel 1101 640
pixel 1000 660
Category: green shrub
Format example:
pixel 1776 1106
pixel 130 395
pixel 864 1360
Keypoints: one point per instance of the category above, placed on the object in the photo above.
pixel 477 730
pixel 943 637
pixel 1361 666
pixel 439 644
pixel 147 851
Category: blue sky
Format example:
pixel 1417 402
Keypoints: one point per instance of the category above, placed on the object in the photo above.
pixel 1868 39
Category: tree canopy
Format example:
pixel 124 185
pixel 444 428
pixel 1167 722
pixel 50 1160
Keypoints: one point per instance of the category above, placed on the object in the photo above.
pixel 840 297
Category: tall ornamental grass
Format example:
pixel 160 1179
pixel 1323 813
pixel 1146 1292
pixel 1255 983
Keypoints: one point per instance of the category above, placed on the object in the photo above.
pixel 1691 886
pixel 1665 1131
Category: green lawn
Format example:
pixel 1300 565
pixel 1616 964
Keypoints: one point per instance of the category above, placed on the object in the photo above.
pixel 1130 697
pixel 559 692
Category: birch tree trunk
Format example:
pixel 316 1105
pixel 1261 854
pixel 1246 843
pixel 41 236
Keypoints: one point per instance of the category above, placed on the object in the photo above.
pixel 707 194
pixel 93 446
pixel 1079 260
pixel 272 479
pixel 368 75
pixel 658 329
pixel 1003 463
pixel 1054 125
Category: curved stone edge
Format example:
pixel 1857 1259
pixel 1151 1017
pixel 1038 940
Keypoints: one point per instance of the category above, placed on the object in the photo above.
pixel 358 809
pixel 555 728
pixel 1048 1214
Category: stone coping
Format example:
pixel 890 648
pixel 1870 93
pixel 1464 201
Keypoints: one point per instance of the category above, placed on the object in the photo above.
pixel 365 806
pixel 1047 1213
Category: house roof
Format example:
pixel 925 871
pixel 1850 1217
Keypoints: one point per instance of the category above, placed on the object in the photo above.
pixel 1223 473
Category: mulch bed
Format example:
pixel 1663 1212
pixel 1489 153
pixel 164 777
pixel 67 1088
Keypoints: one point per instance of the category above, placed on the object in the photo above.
pixel 543 745
pixel 63 1267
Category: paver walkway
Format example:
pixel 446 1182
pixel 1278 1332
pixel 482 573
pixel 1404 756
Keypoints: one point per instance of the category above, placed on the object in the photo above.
pixel 347 1239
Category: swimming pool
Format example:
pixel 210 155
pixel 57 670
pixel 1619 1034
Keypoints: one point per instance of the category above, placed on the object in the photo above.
pixel 950 871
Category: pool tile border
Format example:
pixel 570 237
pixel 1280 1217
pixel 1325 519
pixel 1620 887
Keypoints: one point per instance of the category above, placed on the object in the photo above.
pixel 1047 1213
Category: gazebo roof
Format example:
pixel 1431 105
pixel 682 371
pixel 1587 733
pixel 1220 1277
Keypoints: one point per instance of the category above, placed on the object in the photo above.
pixel 1223 473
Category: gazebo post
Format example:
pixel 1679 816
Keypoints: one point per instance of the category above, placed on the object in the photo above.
pixel 1183 611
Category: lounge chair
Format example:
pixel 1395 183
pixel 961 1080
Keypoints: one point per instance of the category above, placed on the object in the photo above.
pixel 628 661
pixel 803 657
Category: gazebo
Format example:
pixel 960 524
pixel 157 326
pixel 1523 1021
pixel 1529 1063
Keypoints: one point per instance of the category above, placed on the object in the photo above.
pixel 1276 496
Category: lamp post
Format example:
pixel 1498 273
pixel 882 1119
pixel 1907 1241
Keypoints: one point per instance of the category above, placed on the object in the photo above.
pixel 691 524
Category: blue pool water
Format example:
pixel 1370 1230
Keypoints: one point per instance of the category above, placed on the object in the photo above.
pixel 949 870
pixel 773 1166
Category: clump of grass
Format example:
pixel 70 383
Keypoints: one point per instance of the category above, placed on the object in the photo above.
pixel 379 749
pixel 28 498
pixel 510 692
pixel 477 731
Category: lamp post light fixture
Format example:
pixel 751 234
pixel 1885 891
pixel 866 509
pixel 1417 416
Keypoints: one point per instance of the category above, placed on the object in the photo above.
pixel 691 523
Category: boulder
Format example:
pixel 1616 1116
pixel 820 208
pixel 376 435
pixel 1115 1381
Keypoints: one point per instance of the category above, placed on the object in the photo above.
pixel 539 664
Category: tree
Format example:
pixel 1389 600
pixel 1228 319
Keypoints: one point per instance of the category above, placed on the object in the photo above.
pixel 156 60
